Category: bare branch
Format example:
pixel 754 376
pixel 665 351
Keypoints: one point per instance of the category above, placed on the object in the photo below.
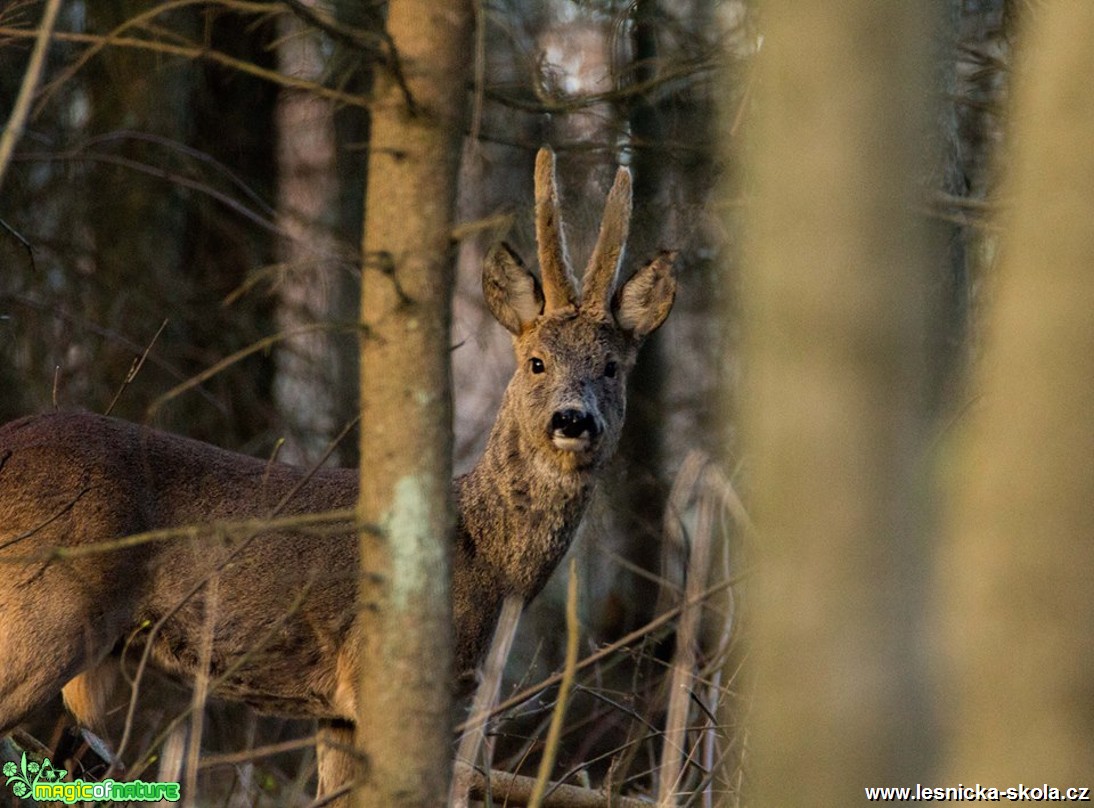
pixel 515 789
pixel 195 52
pixel 31 78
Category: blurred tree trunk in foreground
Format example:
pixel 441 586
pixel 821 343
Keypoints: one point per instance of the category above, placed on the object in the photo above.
pixel 406 438
pixel 834 408
pixel 1017 605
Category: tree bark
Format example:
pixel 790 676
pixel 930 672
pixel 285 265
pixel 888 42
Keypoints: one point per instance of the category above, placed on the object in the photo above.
pixel 833 408
pixel 1017 593
pixel 125 95
pixel 307 365
pixel 406 444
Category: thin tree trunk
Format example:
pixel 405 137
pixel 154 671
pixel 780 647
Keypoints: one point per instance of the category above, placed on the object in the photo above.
pixel 406 444
pixel 1017 597
pixel 307 365
pixel 833 410
pixel 125 95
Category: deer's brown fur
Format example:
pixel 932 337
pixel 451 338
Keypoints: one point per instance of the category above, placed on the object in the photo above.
pixel 279 603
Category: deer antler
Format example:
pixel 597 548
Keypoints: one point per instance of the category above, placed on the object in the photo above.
pixel 608 253
pixel 554 266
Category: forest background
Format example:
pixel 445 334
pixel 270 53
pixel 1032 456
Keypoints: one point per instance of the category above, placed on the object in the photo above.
pixel 181 229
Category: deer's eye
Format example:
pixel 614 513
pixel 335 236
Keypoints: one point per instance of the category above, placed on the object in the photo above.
pixel 535 364
pixel 610 369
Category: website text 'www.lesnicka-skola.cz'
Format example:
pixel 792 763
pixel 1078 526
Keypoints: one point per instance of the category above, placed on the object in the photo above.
pixel 978 793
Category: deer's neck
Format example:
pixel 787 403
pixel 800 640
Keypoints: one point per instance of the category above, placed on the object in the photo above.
pixel 518 510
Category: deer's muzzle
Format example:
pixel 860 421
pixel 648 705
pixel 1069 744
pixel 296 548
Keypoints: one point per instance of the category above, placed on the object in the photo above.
pixel 573 430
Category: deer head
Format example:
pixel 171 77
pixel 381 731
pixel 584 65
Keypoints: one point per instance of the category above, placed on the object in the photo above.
pixel 574 353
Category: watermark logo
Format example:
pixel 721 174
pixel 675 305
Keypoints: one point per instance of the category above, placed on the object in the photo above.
pixel 45 783
pixel 24 777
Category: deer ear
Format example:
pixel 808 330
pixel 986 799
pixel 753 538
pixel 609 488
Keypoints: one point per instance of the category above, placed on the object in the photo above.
pixel 643 302
pixel 512 293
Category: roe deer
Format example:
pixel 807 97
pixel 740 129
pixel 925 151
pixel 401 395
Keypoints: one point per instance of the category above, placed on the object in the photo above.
pixel 271 609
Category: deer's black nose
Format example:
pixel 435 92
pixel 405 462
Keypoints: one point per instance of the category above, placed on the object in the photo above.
pixel 573 424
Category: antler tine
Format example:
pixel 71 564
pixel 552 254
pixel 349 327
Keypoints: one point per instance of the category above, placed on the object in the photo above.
pixel 608 253
pixel 554 266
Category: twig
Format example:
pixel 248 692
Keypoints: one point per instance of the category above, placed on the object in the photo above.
pixel 18 237
pixel 687 632
pixel 185 150
pixel 195 52
pixel 369 41
pixel 18 119
pixel 201 690
pixel 256 753
pixel 229 530
pixel 138 363
pixel 486 697
pixel 327 799
pixel 133 22
pixel 607 650
pixel 228 361
pixel 159 172
pixel 550 748
pixel 352 37
pixel 109 335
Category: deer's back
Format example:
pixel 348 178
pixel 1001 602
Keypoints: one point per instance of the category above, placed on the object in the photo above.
pixel 77 479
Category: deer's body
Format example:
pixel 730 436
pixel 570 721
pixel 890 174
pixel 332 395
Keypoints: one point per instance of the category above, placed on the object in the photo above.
pixel 101 478
pixel 271 611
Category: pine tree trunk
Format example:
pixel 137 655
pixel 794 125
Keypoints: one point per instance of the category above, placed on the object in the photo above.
pixel 406 445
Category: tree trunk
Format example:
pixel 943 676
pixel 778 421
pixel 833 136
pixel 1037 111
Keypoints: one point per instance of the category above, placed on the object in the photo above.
pixel 307 365
pixel 833 409
pixel 406 443
pixel 1017 605
pixel 132 264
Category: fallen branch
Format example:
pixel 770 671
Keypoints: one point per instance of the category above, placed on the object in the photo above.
pixel 516 790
